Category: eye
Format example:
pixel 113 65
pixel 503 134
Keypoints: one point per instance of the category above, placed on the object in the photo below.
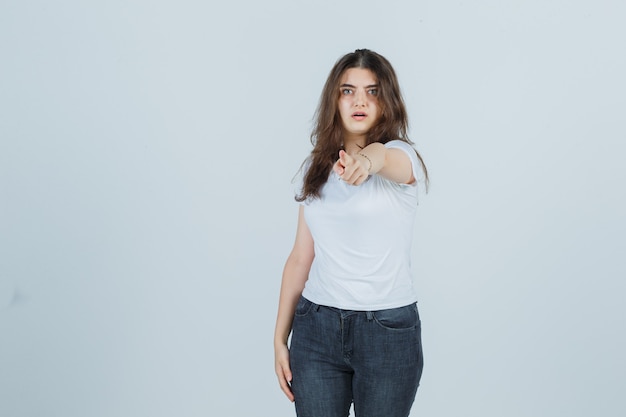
pixel 346 91
pixel 373 91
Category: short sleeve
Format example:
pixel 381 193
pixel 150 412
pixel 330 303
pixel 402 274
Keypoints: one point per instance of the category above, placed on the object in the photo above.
pixel 416 164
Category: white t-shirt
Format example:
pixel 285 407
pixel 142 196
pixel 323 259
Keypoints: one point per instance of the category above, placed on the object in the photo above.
pixel 362 238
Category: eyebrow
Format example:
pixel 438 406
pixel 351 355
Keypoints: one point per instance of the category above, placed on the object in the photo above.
pixel 352 86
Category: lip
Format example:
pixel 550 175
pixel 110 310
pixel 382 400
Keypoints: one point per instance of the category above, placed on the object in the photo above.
pixel 359 115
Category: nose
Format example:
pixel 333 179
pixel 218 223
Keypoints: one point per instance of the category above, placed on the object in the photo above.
pixel 359 98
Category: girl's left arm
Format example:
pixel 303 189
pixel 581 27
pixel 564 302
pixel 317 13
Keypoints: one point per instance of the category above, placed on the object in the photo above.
pixel 391 163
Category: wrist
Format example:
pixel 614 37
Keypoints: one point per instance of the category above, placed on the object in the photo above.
pixel 280 341
pixel 367 160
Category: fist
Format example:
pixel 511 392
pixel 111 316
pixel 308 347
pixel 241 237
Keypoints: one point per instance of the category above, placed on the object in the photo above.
pixel 351 168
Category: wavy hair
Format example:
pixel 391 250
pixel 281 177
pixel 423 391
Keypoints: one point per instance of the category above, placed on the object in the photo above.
pixel 327 134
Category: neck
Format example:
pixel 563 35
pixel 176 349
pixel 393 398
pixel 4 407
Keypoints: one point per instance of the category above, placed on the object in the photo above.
pixel 353 144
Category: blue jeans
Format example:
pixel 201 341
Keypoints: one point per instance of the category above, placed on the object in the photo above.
pixel 371 358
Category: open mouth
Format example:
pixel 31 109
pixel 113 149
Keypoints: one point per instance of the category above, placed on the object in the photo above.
pixel 359 115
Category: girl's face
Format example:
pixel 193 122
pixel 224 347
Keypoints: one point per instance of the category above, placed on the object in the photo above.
pixel 358 102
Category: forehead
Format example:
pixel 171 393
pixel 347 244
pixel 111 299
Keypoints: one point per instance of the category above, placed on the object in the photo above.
pixel 358 76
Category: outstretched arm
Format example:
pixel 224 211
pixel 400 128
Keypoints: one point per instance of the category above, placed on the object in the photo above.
pixel 391 163
pixel 295 274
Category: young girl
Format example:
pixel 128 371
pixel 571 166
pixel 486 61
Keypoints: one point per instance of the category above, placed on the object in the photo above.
pixel 347 296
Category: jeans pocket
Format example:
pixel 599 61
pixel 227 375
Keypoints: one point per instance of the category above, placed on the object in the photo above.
pixel 303 307
pixel 402 318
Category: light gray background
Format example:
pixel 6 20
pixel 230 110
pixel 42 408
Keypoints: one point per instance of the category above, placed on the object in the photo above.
pixel 146 208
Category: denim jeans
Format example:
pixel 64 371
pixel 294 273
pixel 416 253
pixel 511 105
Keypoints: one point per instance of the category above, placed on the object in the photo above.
pixel 371 358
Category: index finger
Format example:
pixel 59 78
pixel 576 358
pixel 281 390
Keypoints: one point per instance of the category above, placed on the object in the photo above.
pixel 344 156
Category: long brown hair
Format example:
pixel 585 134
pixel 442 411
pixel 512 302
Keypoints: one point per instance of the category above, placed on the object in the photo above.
pixel 327 134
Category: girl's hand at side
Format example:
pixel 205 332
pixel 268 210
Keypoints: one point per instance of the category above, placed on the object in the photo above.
pixel 283 370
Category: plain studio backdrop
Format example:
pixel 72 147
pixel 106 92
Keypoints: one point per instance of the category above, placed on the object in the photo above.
pixel 146 205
